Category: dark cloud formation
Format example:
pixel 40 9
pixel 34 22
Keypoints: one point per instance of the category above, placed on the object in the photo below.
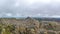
pixel 34 8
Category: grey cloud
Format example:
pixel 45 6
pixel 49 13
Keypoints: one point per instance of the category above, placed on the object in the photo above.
pixel 25 9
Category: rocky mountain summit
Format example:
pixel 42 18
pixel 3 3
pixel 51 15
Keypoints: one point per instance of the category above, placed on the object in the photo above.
pixel 31 21
pixel 26 21
pixel 28 26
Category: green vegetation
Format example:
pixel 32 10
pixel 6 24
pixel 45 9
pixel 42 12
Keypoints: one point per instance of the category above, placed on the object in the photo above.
pixel 28 26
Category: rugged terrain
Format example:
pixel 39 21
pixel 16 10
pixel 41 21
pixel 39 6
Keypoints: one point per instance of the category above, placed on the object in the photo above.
pixel 28 26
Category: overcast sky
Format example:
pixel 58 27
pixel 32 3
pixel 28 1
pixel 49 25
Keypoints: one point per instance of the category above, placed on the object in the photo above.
pixel 32 8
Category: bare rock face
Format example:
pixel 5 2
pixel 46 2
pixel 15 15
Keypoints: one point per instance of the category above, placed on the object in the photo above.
pixel 28 21
pixel 32 24
pixel 31 21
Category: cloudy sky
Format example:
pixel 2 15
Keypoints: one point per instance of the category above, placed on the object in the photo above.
pixel 32 8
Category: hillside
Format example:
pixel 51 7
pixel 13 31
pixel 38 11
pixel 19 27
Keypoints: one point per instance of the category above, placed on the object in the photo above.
pixel 28 26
